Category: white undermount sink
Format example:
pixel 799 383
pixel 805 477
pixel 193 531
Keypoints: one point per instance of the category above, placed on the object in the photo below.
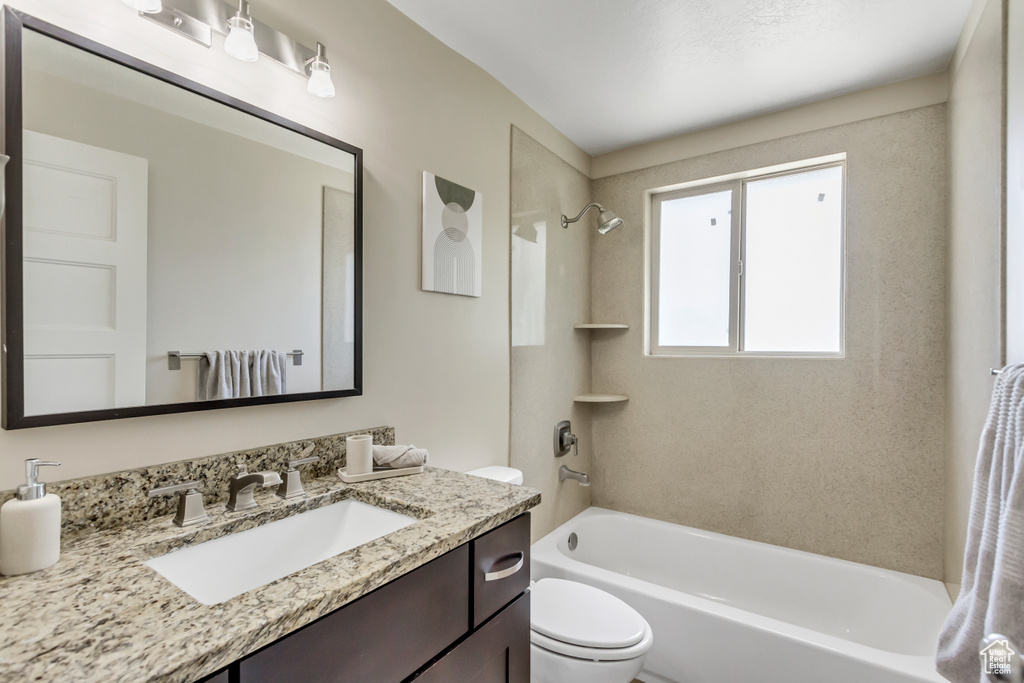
pixel 224 567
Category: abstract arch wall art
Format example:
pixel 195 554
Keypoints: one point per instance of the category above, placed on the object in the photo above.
pixel 452 237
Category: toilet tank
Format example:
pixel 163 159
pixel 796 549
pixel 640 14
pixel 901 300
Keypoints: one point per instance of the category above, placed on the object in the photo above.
pixel 509 475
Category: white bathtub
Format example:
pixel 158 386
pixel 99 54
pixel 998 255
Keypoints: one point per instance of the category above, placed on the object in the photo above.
pixel 727 609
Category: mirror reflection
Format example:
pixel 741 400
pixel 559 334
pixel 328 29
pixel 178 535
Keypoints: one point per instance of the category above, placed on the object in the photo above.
pixel 158 221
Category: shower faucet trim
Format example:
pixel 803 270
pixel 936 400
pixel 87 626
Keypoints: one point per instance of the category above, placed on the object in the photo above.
pixel 565 473
pixel 565 439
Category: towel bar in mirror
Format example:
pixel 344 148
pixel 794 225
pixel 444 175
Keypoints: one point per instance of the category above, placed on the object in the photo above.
pixel 174 358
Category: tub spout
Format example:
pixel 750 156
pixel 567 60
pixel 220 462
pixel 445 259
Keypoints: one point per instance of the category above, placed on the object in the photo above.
pixel 565 473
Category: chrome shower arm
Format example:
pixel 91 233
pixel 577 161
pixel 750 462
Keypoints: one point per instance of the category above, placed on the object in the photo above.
pixel 566 221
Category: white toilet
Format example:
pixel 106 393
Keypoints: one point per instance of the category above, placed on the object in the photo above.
pixel 509 475
pixel 578 633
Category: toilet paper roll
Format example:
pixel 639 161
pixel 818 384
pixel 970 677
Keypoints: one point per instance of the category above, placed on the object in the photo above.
pixel 359 454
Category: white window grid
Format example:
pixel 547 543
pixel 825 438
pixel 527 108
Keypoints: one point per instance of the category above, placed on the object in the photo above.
pixel 737 184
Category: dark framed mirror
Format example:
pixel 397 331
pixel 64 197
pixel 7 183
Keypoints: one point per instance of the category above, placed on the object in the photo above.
pixel 167 248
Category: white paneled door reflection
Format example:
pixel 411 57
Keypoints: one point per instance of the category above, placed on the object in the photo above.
pixel 85 233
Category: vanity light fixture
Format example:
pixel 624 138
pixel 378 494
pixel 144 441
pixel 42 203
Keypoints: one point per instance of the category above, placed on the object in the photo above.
pixel 241 40
pixel 320 83
pixel 147 6
pixel 197 20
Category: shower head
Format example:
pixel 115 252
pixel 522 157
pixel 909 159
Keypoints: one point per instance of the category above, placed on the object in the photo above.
pixel 607 220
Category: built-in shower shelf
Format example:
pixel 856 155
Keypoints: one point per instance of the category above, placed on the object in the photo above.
pixel 601 398
pixel 601 326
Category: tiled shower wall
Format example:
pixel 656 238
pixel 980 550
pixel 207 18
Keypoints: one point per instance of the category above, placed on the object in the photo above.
pixel 550 284
pixel 842 457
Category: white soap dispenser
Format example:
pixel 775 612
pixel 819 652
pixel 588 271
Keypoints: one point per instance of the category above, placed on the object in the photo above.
pixel 30 526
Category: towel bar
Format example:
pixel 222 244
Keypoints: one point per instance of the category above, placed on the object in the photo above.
pixel 174 358
pixel 1000 659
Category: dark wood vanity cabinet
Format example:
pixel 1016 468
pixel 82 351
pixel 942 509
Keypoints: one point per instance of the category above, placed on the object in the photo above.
pixel 383 636
pixel 497 652
pixel 501 567
pixel 462 617
pixel 498 648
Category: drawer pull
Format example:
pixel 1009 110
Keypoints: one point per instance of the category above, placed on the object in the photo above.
pixel 505 573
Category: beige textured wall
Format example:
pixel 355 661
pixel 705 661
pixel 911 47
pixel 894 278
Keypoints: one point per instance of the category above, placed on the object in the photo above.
pixel 435 366
pixel 1014 243
pixel 912 93
pixel 841 457
pixel 975 125
pixel 546 376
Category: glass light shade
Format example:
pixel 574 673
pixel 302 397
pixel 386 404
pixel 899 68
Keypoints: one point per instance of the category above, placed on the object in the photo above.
pixel 320 83
pixel 240 43
pixel 147 6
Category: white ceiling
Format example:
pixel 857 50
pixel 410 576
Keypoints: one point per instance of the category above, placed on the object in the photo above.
pixel 615 73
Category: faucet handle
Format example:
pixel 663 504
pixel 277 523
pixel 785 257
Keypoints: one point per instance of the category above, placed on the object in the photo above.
pixel 292 485
pixel 174 488
pixel 292 464
pixel 570 439
pixel 190 502
pixel 565 439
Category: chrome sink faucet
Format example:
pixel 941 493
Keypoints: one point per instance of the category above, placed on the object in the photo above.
pixel 242 485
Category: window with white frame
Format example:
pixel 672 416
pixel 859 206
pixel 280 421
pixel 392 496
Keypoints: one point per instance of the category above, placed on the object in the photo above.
pixel 749 266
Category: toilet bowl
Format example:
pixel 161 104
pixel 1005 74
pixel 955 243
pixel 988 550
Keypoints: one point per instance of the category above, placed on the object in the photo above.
pixel 509 475
pixel 578 633
pixel 581 633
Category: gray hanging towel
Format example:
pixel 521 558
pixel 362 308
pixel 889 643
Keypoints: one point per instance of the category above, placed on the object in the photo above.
pixel 991 597
pixel 224 374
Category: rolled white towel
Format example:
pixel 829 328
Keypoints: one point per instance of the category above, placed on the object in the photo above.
pixel 399 456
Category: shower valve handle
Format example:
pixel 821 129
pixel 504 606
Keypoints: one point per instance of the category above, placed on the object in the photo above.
pixel 565 439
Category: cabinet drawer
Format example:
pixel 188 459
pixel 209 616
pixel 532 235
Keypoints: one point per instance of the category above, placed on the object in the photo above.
pixel 498 652
pixel 382 637
pixel 501 567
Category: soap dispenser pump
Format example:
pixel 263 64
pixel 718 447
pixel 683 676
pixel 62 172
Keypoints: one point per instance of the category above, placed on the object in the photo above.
pixel 30 525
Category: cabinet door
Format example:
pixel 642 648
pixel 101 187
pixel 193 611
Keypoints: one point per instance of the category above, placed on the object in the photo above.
pixel 497 652
pixel 220 677
pixel 382 637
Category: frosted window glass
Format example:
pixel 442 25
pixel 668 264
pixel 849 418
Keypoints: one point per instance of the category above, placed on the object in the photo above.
pixel 694 270
pixel 793 263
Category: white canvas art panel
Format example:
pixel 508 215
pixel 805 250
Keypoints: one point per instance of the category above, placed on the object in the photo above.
pixel 453 227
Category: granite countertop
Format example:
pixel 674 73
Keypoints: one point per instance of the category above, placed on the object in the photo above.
pixel 100 614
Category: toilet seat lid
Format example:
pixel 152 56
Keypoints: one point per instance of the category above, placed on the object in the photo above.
pixel 579 614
